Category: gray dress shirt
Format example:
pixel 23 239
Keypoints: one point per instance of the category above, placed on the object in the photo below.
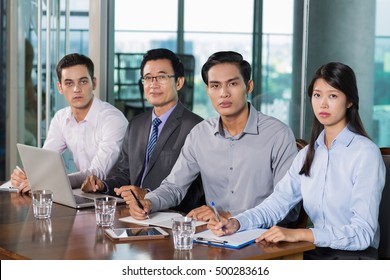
pixel 237 172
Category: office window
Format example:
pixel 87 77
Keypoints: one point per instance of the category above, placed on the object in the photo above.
pixel 276 87
pixel 139 26
pixel 381 107
pixel 146 24
pixel 211 26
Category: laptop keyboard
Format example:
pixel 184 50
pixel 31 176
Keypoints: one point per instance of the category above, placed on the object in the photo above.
pixel 82 199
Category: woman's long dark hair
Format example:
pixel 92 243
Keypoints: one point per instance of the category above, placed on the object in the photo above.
pixel 342 78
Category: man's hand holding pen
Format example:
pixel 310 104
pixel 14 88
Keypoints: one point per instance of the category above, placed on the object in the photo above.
pixel 137 212
pixel 19 180
pixel 125 193
pixel 224 226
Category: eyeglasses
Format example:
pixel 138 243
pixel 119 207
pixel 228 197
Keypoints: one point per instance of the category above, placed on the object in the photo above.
pixel 161 79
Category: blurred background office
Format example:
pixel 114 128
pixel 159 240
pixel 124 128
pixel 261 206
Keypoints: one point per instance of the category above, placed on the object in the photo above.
pixel 284 40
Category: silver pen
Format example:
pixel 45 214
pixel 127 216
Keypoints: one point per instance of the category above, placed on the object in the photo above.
pixel 23 183
pixel 20 169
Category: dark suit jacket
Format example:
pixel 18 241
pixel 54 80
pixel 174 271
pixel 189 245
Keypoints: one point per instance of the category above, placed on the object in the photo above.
pixel 130 165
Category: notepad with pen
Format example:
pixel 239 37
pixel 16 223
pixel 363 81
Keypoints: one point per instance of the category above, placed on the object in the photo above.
pixel 8 187
pixel 160 219
pixel 235 241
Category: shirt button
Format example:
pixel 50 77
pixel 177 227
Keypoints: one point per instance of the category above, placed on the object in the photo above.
pixel 232 191
pixel 231 168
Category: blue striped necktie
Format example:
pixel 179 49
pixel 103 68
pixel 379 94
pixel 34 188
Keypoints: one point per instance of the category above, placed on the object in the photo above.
pixel 153 137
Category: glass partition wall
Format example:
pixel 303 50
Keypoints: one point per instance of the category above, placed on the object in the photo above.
pixel 200 27
pixel 39 32
pixel 3 75
pixel 284 46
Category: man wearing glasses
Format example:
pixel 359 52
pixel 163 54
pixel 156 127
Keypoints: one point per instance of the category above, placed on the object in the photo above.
pixel 153 139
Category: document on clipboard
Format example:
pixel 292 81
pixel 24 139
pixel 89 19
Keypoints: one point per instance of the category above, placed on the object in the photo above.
pixel 235 241
pixel 160 219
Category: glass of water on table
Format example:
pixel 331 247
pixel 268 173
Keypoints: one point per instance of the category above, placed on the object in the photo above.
pixel 105 211
pixel 42 202
pixel 183 229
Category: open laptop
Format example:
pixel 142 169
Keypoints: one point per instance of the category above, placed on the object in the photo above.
pixel 45 169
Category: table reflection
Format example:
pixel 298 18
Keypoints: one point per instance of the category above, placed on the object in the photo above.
pixel 103 245
pixel 42 231
pixel 182 255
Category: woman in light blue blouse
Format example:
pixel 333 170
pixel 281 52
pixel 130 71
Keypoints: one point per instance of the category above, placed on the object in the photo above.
pixel 339 176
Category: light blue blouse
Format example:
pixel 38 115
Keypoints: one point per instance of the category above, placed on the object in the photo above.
pixel 341 196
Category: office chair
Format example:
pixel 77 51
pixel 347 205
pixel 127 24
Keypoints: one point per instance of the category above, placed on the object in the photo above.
pixel 128 85
pixel 300 143
pixel 385 150
pixel 384 210
pixel 186 93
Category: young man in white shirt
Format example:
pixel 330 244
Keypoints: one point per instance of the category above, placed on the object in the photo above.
pixel 91 129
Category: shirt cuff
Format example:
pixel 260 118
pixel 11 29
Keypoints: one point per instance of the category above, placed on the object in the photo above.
pixel 105 189
pixel 154 200
pixel 76 179
pixel 243 222
pixel 321 237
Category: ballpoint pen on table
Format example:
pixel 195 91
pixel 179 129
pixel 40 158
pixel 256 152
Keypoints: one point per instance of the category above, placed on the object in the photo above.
pixel 211 241
pixel 139 203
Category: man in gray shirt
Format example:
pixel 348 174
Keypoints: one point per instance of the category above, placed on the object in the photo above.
pixel 240 155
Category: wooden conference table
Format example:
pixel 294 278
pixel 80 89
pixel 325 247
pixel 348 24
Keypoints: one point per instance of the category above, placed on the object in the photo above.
pixel 72 234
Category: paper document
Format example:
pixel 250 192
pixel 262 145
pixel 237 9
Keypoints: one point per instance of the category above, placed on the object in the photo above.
pixel 236 240
pixel 159 219
pixel 8 187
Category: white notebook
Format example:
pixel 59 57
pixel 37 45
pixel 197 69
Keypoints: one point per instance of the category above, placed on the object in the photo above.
pixel 8 187
pixel 159 219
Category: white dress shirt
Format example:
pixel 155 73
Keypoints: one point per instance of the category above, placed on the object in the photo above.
pixel 95 142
